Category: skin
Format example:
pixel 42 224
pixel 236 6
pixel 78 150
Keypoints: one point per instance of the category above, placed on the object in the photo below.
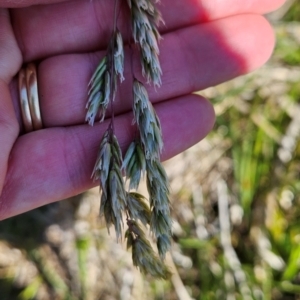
pixel 205 42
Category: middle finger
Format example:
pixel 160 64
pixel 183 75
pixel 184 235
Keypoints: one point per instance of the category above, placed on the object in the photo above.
pixel 81 26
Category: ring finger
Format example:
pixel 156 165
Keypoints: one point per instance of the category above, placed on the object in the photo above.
pixel 192 59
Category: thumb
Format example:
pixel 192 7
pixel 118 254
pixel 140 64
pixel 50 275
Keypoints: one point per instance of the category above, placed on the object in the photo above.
pixel 10 62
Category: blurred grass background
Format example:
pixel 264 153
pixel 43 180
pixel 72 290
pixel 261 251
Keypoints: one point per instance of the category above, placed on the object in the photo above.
pixel 235 198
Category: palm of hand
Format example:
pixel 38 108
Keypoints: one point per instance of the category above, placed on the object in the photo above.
pixel 203 45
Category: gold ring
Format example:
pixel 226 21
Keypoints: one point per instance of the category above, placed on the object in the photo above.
pixel 29 99
pixel 25 110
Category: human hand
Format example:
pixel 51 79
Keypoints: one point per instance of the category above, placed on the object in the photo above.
pixel 205 43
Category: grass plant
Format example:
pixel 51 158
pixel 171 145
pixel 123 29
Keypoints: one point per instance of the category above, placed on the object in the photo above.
pixel 247 248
